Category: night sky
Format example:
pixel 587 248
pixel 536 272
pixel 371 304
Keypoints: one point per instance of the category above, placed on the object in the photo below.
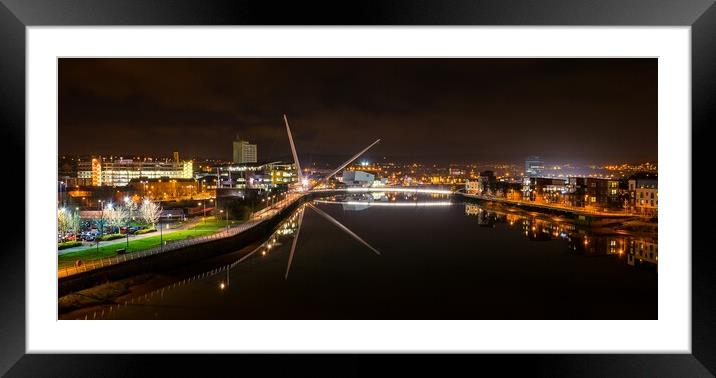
pixel 441 110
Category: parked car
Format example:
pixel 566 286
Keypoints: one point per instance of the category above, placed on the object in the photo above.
pixel 134 229
pixel 89 235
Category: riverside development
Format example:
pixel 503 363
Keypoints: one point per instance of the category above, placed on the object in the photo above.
pixel 153 238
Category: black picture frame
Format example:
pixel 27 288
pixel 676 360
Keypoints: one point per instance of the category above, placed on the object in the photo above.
pixel 700 15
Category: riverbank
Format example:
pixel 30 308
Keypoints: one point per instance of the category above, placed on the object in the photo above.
pixel 174 259
pixel 82 304
pixel 138 243
pixel 633 226
pixel 553 208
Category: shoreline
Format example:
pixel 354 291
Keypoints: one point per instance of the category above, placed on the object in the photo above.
pixel 116 292
pixel 145 283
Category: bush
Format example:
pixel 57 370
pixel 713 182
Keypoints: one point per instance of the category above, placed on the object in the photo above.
pixel 68 244
pixel 145 231
pixel 111 237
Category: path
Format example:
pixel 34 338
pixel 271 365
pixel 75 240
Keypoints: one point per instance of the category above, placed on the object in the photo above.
pixel 124 239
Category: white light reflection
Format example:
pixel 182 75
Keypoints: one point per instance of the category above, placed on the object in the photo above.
pixel 389 190
pixel 388 204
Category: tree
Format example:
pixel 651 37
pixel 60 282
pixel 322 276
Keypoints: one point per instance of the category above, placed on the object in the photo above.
pixel 150 212
pixel 67 221
pixel 116 216
pixel 74 222
pixel 63 221
pixel 131 208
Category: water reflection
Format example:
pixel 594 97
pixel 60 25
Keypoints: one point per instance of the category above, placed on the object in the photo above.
pixel 581 240
pixel 362 201
pixel 520 264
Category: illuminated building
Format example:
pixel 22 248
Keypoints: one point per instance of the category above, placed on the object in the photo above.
pixel 244 152
pixel 602 193
pixel 164 188
pixel 257 176
pixel 534 167
pixel 473 187
pixel 119 172
pixel 456 172
pixel 282 173
pixel 542 189
pixel 593 192
pixel 644 195
pixel 358 178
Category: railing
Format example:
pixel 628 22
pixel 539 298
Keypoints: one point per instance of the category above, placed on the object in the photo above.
pixel 257 218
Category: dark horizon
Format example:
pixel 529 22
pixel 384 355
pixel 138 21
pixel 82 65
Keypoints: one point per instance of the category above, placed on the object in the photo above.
pixel 584 111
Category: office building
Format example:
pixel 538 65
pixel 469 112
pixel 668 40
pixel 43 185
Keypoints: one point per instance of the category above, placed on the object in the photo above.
pixel 244 152
pixel 254 176
pixel 119 172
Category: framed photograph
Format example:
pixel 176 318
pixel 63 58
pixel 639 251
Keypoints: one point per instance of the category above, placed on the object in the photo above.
pixel 401 177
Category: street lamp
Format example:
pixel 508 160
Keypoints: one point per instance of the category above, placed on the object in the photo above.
pixel 101 222
pixel 129 219
pixel 227 218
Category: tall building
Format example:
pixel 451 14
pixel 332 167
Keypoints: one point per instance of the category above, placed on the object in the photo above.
pixel 534 167
pixel 244 152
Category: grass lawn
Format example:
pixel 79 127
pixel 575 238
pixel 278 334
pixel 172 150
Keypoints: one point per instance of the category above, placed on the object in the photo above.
pixel 68 244
pixel 210 226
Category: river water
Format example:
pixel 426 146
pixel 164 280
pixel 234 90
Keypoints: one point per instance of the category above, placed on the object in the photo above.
pixel 398 256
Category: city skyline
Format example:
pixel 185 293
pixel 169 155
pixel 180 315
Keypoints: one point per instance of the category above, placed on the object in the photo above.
pixel 196 106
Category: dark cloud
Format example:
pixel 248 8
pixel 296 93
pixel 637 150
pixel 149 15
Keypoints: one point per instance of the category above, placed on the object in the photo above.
pixel 593 110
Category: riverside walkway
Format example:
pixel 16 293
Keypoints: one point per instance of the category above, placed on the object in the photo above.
pixel 256 219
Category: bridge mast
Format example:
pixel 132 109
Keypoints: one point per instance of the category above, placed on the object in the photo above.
pixel 356 156
pixel 293 151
